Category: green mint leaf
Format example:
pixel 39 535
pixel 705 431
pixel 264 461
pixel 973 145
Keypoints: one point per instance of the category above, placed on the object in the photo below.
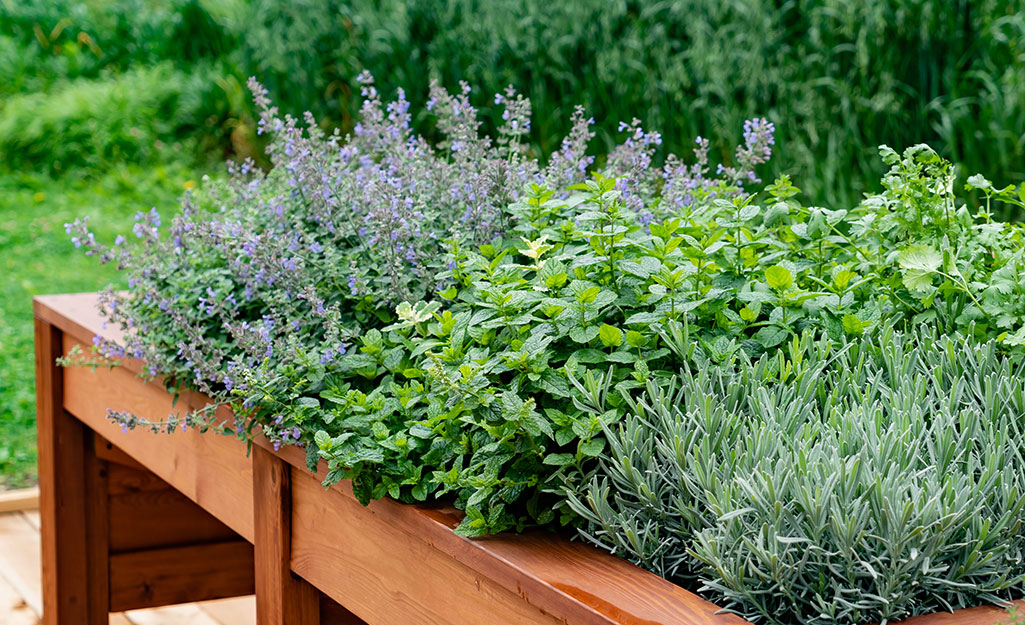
pixel 778 278
pixel 610 336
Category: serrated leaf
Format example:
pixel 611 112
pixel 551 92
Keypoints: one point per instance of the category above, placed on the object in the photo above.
pixel 778 278
pixel 610 336
pixel 559 460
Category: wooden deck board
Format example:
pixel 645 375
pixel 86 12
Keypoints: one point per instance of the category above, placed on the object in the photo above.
pixel 19 559
pixel 21 592
pixel 13 609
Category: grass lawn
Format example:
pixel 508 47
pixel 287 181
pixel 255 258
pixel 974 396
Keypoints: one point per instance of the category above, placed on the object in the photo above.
pixel 37 257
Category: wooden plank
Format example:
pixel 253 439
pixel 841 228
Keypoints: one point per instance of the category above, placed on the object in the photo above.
pixel 210 469
pixel 106 450
pixel 96 534
pixel 66 563
pixel 187 614
pixel 18 500
pixel 161 518
pixel 984 615
pixel 32 516
pixel 570 580
pixel 19 559
pixel 75 314
pixel 281 597
pixel 159 577
pixel 385 575
pixel 125 480
pixel 13 609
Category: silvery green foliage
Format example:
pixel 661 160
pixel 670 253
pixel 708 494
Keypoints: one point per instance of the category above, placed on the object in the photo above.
pixel 830 483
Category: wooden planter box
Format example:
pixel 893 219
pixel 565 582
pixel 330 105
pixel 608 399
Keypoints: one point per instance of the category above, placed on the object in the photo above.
pixel 134 519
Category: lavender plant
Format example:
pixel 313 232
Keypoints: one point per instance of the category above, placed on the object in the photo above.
pixel 832 482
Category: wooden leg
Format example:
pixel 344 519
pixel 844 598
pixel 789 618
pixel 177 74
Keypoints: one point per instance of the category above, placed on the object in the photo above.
pixel 282 598
pixel 72 501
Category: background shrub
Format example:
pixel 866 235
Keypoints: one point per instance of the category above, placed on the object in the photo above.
pixel 97 122
pixel 836 78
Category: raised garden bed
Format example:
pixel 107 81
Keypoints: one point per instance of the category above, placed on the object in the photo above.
pixel 133 519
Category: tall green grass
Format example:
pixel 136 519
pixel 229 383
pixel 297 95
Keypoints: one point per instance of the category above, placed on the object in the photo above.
pixel 838 78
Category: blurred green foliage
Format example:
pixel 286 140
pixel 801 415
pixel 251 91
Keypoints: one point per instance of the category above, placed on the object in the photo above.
pixel 87 86
pixel 837 78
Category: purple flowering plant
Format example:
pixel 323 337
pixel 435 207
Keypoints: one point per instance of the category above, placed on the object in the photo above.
pixel 460 320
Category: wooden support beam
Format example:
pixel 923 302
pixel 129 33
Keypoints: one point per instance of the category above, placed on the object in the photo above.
pixel 157 577
pixel 67 479
pixel 282 598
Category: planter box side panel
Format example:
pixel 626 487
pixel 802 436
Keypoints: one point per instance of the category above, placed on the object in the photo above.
pixel 211 470
pixel 384 574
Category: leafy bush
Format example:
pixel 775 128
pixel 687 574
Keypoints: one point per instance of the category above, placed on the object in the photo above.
pixel 850 482
pixel 391 300
pixel 836 79
pixel 266 282
pixel 55 40
pixel 100 123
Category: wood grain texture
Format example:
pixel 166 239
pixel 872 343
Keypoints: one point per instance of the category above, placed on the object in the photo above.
pixel 385 575
pixel 13 609
pixel 157 577
pixel 105 450
pixel 210 469
pixel 97 508
pixel 569 580
pixel 984 615
pixel 66 564
pixel 161 518
pixel 146 512
pixel 19 559
pixel 18 500
pixel 234 611
pixel 281 597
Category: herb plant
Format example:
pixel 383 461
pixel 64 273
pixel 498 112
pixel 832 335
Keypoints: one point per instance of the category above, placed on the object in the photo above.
pixel 365 298
pixel 456 320
pixel 855 482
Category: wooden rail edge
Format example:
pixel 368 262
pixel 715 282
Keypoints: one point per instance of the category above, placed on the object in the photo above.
pixel 19 500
